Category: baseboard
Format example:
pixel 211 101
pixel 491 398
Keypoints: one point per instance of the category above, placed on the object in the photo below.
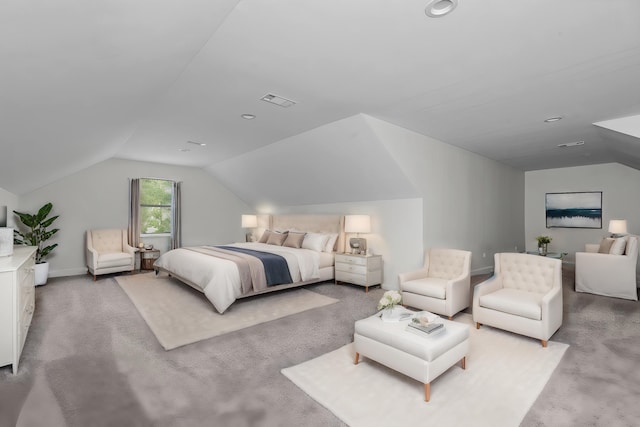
pixel 68 272
pixel 482 270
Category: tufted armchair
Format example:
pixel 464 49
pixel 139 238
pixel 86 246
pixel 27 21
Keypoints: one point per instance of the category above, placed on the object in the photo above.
pixel 442 285
pixel 109 252
pixel 523 296
pixel 608 274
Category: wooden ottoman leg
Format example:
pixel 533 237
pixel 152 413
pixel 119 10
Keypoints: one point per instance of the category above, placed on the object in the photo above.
pixel 544 343
pixel 355 362
pixel 427 392
pixel 478 325
pixel 463 362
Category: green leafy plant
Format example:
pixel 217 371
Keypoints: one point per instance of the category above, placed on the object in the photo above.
pixel 543 240
pixel 37 232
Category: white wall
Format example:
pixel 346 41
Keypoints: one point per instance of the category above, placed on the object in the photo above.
pixel 469 202
pixel 396 230
pixel 620 186
pixel 97 197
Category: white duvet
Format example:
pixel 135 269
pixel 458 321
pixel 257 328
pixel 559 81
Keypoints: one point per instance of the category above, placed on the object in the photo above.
pixel 219 279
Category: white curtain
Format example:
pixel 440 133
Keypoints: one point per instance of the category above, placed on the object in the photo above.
pixel 176 216
pixel 134 212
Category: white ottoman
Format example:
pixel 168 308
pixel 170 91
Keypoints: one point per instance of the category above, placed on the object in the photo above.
pixel 420 356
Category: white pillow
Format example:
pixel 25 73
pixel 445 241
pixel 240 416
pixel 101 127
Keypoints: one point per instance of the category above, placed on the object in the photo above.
pixel 618 246
pixel 315 241
pixel 331 242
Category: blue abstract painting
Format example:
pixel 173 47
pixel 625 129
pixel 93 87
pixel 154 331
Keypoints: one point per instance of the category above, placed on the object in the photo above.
pixel 574 210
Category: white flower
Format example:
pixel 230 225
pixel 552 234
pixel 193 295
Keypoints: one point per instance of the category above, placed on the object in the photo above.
pixel 389 300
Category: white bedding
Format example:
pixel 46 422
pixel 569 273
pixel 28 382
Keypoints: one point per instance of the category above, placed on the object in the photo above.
pixel 219 279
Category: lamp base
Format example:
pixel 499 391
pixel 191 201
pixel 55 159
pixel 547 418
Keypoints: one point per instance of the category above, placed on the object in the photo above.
pixel 358 245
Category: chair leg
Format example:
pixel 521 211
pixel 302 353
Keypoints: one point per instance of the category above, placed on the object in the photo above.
pixel 427 392
pixel 478 325
pixel 450 317
pixel 355 361
pixel 463 362
pixel 94 277
pixel 544 343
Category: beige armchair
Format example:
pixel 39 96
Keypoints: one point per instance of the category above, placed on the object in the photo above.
pixel 442 285
pixel 109 252
pixel 523 296
pixel 607 274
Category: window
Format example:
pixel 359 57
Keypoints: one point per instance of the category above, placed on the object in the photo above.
pixel 156 198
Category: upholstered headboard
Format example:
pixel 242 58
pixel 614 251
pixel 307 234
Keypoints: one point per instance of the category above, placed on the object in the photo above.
pixel 312 223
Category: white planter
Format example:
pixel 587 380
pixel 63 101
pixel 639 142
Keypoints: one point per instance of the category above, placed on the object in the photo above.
pixel 41 273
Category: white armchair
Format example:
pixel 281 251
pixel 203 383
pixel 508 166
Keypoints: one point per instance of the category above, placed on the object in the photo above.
pixel 607 274
pixel 108 251
pixel 524 296
pixel 442 285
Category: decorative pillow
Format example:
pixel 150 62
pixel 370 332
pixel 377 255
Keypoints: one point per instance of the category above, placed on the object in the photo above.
pixel 276 238
pixel 264 237
pixel 294 240
pixel 605 245
pixel 331 242
pixel 617 248
pixel 315 241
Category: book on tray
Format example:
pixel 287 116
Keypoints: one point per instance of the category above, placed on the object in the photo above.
pixel 427 329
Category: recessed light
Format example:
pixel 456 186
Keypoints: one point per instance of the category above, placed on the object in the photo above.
pixel 248 116
pixel 440 8
pixel 184 150
pixel 553 119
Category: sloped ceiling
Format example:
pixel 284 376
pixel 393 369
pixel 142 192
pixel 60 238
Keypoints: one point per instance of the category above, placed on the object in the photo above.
pixel 85 81
pixel 346 159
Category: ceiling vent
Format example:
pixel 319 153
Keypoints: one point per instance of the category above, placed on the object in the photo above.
pixel 571 144
pixel 278 100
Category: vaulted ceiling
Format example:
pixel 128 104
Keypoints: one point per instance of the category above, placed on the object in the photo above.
pixel 84 81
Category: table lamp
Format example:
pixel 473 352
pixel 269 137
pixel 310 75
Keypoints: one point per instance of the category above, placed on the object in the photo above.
pixel 249 221
pixel 618 227
pixel 357 224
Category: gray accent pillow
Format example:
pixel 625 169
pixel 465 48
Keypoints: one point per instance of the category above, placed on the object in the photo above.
pixel 264 237
pixel 605 245
pixel 276 238
pixel 294 240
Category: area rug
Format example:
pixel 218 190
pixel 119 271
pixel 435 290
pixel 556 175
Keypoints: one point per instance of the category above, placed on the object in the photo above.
pixel 179 315
pixel 504 376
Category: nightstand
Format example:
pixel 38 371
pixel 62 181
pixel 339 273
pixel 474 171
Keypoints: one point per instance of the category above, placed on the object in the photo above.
pixel 360 270
pixel 148 257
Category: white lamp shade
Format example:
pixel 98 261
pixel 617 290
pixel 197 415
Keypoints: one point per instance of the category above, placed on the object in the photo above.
pixel 249 221
pixel 618 226
pixel 357 224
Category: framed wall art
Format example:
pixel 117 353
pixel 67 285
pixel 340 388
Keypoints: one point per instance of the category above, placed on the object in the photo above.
pixel 574 210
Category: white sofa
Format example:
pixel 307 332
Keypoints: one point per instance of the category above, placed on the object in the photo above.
pixel 607 274
pixel 524 296
pixel 442 285
pixel 108 251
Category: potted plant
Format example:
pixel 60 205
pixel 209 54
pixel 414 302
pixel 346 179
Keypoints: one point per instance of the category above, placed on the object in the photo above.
pixel 35 235
pixel 543 241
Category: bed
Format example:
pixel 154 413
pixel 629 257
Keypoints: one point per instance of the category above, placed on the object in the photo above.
pixel 225 273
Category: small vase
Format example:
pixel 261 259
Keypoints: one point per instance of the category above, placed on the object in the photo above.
pixel 542 249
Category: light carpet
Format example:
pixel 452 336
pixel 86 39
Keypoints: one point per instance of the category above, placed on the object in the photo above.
pixel 504 376
pixel 179 315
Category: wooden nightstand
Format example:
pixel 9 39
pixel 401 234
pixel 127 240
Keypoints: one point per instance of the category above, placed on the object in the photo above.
pixel 359 269
pixel 148 257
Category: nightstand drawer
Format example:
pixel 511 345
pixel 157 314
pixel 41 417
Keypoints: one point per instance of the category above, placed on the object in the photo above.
pixel 356 279
pixel 351 259
pixel 351 268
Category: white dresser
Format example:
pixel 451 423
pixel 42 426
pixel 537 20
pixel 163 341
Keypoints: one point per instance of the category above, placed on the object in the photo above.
pixel 17 302
pixel 359 269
